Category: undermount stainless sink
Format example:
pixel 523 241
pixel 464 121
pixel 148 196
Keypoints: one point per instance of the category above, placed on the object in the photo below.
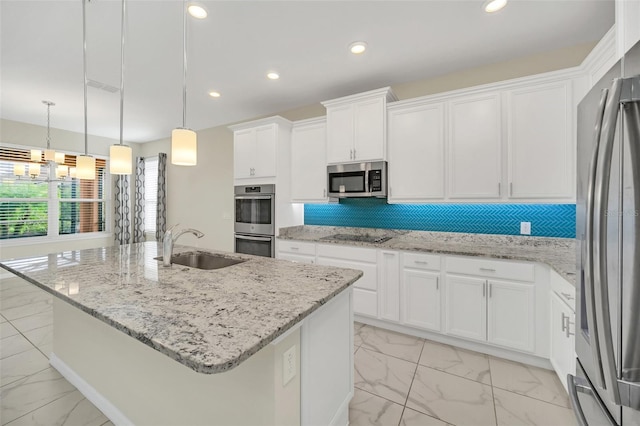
pixel 202 260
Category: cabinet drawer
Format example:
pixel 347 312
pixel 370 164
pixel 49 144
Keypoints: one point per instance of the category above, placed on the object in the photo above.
pixel 297 247
pixel 365 302
pixel 296 257
pixel 491 268
pixel 348 253
pixel 421 261
pixel 563 289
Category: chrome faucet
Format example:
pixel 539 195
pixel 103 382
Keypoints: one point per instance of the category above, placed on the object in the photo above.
pixel 168 240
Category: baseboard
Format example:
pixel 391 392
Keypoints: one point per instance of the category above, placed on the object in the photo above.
pixel 534 360
pixel 103 404
pixel 341 417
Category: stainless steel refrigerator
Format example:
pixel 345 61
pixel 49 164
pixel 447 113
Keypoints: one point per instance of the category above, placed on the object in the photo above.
pixel 606 388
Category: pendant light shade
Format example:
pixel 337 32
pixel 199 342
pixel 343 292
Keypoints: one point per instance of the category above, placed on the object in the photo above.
pixel 120 160
pixel 184 147
pixel 18 169
pixel 184 142
pixel 49 155
pixel 72 172
pixel 62 172
pixel 85 167
pixel 36 155
pixel 34 170
pixel 59 157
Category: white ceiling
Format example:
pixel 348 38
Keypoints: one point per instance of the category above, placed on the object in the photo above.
pixel 232 49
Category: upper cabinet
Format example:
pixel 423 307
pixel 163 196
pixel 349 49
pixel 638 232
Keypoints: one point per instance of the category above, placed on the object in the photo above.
pixel 416 152
pixel 539 141
pixel 503 142
pixel 475 147
pixel 257 148
pixel 309 161
pixel 356 127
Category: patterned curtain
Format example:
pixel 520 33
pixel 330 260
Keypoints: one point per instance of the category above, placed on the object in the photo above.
pixel 161 217
pixel 138 210
pixel 121 232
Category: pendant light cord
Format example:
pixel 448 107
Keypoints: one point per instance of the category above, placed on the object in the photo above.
pixel 184 66
pixel 122 30
pixel 48 123
pixel 84 65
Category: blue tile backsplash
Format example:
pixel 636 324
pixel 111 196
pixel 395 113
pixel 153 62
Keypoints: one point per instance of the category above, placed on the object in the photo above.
pixel 547 220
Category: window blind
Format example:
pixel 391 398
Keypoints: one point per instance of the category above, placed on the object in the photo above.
pixel 150 193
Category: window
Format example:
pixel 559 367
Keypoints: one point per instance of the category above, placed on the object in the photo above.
pixel 150 194
pixel 39 206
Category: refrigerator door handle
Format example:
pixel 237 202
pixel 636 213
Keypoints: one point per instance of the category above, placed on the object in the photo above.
pixel 588 245
pixel 601 202
pixel 577 385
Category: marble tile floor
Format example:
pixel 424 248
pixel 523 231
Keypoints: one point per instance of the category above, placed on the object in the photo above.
pixel 32 392
pixel 408 381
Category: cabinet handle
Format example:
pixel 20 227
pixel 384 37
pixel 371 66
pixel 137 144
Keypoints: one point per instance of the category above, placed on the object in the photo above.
pixel 350 154
pixel 566 325
pixel 490 289
pixel 487 269
pixel 421 262
pixel 510 189
pixel 567 296
pixel 354 154
pixel 499 189
pixel 295 248
pixel 437 283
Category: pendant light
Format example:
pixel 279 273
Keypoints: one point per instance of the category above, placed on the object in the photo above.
pixel 36 155
pixel 85 164
pixel 184 143
pixel 34 170
pixel 18 169
pixel 120 155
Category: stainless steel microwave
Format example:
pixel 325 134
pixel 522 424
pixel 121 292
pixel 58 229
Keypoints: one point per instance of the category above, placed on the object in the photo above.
pixel 358 180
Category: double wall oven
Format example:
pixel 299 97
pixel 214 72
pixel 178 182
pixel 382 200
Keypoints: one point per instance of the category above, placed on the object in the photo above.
pixel 255 220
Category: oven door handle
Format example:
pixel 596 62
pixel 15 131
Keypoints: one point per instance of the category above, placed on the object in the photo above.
pixel 254 197
pixel 251 238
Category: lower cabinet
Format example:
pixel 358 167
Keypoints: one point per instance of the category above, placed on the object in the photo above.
pixel 365 290
pixel 562 354
pixel 466 307
pixel 389 285
pixel 421 299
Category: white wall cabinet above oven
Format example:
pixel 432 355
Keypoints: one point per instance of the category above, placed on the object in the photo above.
pixel 356 127
pixel 256 152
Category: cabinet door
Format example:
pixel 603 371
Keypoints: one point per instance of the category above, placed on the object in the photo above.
pixel 369 130
pixel 416 153
pixel 562 342
pixel 466 307
pixel 309 163
pixel 389 285
pixel 475 147
pixel 511 319
pixel 539 141
pixel 421 299
pixel 244 142
pixel 265 148
pixel 340 134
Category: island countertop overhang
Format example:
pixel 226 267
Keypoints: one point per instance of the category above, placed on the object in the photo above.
pixel 209 321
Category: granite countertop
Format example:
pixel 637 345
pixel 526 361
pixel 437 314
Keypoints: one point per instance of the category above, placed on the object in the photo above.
pixel 208 320
pixel 558 253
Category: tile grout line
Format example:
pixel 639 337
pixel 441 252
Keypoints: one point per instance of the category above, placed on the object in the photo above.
pixel 404 407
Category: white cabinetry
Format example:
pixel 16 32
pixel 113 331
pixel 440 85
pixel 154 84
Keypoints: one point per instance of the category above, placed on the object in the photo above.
pixel 309 161
pixel 539 141
pixel 420 291
pixel 356 126
pixel 365 291
pixel 562 323
pixel 296 251
pixel 475 147
pixel 499 311
pixel 389 285
pixel 256 148
pixel 627 28
pixel 416 152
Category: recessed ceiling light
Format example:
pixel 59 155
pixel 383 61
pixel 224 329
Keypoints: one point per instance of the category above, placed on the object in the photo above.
pixel 197 11
pixel 273 75
pixel 214 94
pixel 357 47
pixel 491 6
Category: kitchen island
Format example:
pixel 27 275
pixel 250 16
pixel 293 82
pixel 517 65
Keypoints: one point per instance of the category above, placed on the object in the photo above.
pixel 260 342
